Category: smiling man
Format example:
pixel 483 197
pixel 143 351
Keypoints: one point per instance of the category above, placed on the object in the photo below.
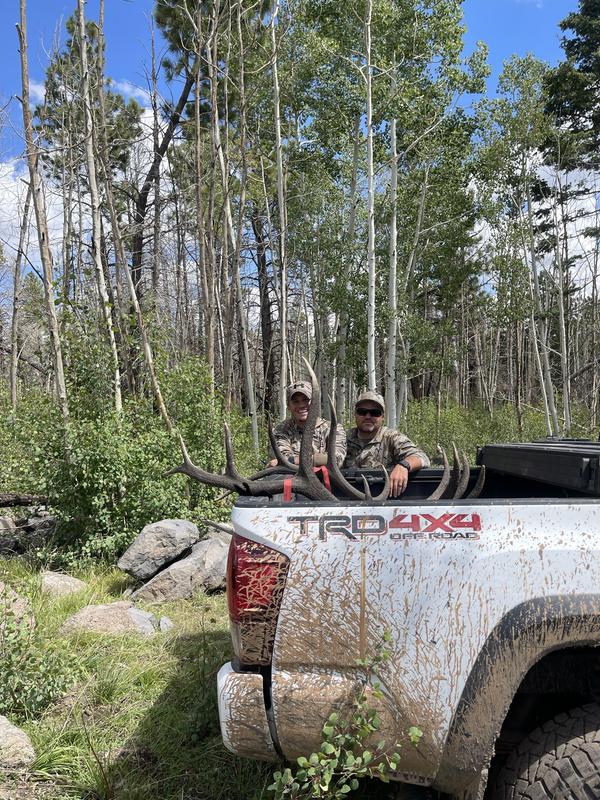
pixel 372 445
pixel 289 432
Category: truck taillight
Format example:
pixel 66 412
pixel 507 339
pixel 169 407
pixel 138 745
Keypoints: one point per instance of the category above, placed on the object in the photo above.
pixel 256 577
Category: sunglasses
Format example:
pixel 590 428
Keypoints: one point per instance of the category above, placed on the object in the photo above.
pixel 369 412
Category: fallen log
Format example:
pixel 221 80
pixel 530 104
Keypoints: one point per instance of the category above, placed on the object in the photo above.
pixel 10 500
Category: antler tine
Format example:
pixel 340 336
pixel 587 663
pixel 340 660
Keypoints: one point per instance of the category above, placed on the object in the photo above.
pixel 281 461
pixel 368 495
pixel 476 490
pixel 463 480
pixel 306 444
pixel 443 484
pixel 334 471
pixel 306 480
pixel 229 458
pixel 455 474
pixel 210 479
pixel 385 492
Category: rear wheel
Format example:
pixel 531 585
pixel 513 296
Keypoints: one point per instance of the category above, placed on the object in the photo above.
pixel 558 761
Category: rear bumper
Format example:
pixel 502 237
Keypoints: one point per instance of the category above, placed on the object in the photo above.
pixel 242 714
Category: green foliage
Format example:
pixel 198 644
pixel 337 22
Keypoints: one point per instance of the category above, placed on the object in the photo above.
pixel 473 427
pixel 34 672
pixel 346 756
pixel 114 480
pixel 141 722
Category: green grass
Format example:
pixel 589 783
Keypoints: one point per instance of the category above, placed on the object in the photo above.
pixel 141 720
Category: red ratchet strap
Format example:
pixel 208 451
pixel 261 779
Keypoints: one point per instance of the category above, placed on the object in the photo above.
pixel 287 484
pixel 325 473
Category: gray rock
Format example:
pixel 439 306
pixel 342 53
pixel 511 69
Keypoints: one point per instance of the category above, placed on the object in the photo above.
pixel 9 537
pixel 220 535
pixel 16 750
pixel 56 584
pixel 112 618
pixel 158 545
pixel 37 530
pixel 205 568
pixel 165 624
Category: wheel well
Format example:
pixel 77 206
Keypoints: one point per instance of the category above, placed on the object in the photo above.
pixel 561 680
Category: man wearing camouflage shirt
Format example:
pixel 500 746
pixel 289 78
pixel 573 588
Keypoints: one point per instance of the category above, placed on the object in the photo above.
pixel 289 432
pixel 371 444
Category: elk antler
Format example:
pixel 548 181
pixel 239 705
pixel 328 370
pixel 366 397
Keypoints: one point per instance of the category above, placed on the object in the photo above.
pixel 476 490
pixel 443 484
pixel 303 482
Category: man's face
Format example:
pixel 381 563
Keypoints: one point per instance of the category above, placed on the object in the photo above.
pixel 298 405
pixel 369 418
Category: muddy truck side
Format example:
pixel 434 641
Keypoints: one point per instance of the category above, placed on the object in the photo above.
pixel 493 606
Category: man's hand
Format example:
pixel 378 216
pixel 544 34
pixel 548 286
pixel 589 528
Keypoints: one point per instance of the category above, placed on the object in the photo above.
pixel 273 462
pixel 398 480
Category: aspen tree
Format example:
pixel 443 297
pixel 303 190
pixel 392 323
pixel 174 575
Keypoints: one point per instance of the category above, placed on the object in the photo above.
pixel 107 310
pixel 39 206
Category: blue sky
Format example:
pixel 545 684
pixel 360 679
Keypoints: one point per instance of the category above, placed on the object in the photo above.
pixel 507 26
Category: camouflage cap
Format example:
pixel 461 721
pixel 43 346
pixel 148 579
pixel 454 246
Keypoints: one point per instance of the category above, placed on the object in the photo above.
pixel 373 397
pixel 300 387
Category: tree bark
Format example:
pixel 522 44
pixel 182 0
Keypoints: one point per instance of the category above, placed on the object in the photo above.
pixel 42 228
pixel 14 328
pixel 107 310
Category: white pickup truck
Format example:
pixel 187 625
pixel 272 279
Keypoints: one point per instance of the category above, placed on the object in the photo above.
pixel 493 605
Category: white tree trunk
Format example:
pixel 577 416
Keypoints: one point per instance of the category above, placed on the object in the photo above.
pixel 248 380
pixel 14 328
pixel 545 363
pixel 284 377
pixel 39 206
pixel 341 387
pixel 107 312
pixel 371 373
pixel 390 387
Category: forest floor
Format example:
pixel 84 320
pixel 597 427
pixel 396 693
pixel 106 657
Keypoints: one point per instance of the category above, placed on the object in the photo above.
pixel 140 720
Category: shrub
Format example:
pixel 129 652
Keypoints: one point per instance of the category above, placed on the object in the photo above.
pixel 114 481
pixel 344 758
pixel 34 673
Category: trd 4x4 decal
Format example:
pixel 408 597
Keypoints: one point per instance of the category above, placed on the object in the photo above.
pixel 402 527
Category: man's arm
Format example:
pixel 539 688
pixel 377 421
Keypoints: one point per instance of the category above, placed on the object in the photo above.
pixel 284 442
pixel 340 445
pixel 406 457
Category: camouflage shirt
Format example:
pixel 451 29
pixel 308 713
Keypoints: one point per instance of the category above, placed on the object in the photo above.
pixel 289 436
pixel 388 447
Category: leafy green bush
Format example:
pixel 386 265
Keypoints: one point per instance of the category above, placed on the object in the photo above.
pixel 33 673
pixel 114 481
pixel 473 427
pixel 344 758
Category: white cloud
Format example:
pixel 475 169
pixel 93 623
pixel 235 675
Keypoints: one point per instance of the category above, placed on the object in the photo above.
pixel 130 90
pixel 14 179
pixel 37 91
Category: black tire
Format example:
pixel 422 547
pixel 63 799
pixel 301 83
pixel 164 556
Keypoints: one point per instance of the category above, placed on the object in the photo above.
pixel 558 761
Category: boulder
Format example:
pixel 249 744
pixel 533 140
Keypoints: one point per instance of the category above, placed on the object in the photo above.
pixel 56 584
pixel 165 624
pixel 9 537
pixel 204 568
pixel 17 605
pixel 111 618
pixel 16 750
pixel 158 545
pixel 37 530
